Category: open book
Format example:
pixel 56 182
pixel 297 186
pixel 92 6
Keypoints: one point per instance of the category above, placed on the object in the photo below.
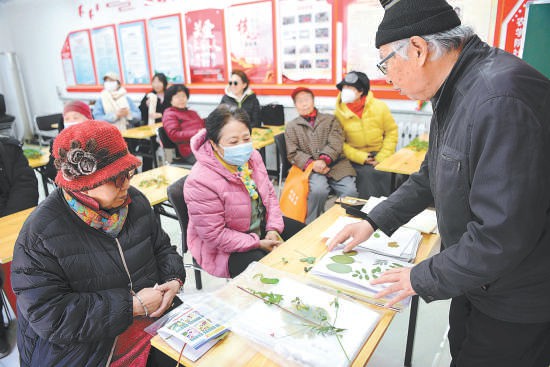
pixel 352 272
pixel 191 329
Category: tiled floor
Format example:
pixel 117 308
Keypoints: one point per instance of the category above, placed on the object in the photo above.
pixel 430 349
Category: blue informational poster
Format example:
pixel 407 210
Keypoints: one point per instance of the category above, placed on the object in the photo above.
pixel 105 51
pixel 134 53
pixel 166 47
pixel 81 52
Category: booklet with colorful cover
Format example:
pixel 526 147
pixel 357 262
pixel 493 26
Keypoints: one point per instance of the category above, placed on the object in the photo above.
pixel 192 330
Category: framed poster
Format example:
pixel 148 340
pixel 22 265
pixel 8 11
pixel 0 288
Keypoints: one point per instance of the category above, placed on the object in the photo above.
pixel 67 63
pixel 206 53
pixel 105 51
pixel 81 54
pixel 250 34
pixel 306 41
pixel 133 48
pixel 165 45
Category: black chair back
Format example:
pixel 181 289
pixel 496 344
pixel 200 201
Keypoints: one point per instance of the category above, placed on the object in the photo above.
pixel 165 140
pixel 177 199
pixel 5 120
pixel 284 164
pixel 45 122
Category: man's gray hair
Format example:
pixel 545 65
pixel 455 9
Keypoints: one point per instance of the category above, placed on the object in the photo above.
pixel 439 43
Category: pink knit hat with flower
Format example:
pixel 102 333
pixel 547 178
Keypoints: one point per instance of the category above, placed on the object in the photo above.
pixel 90 154
pixel 80 107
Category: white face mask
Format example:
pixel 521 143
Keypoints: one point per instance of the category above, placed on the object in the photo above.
pixel 348 95
pixel 111 86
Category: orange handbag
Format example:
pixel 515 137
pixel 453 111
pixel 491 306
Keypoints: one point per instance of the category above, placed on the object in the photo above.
pixel 293 199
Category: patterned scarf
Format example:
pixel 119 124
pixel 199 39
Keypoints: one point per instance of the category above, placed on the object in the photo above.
pixel 244 173
pixel 87 209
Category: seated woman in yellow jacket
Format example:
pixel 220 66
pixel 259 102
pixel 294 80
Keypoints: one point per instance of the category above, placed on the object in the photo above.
pixel 370 133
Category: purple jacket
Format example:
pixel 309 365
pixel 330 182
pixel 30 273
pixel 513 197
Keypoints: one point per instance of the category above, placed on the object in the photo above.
pixel 220 208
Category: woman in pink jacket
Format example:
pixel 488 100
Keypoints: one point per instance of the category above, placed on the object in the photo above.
pixel 234 214
pixel 180 122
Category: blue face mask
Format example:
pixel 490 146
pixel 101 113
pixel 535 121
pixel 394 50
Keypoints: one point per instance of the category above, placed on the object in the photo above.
pixel 237 155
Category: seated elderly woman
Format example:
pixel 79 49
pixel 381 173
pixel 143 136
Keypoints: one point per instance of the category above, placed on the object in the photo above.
pixel 317 139
pixel 234 214
pixel 91 265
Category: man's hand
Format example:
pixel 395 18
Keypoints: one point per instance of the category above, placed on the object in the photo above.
pixel 359 232
pixel 400 280
pixel 169 291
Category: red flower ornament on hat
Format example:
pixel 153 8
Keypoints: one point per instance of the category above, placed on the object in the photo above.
pixel 79 162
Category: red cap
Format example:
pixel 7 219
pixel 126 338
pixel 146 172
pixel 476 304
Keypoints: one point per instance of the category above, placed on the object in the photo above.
pixel 88 155
pixel 78 106
pixel 299 90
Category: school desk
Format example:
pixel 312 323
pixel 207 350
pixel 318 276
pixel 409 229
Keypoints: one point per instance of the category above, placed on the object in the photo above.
pixel 235 351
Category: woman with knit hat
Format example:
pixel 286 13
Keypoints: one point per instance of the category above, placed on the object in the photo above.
pixel 74 113
pixel 91 265
pixel 370 133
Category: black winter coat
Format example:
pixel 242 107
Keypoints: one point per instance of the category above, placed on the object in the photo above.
pixel 73 293
pixel 18 184
pixel 249 103
pixel 144 109
pixel 488 171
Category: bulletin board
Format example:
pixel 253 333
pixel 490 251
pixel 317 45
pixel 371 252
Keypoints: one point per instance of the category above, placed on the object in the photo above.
pixel 134 52
pixel 278 43
pixel 105 48
pixel 206 52
pixel 82 57
pixel 306 41
pixel 251 39
pixel 165 44
pixel 536 41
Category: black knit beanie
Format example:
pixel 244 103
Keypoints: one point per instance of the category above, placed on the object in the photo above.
pixel 356 79
pixel 407 18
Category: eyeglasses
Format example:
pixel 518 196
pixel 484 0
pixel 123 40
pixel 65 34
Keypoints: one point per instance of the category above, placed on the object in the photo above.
pixel 382 63
pixel 121 179
pixel 233 83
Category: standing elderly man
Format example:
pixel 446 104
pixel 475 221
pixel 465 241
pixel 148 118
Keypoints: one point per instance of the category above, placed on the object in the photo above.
pixel 488 172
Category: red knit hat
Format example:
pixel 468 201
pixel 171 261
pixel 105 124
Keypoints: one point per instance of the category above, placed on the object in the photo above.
pixel 80 107
pixel 88 155
pixel 299 90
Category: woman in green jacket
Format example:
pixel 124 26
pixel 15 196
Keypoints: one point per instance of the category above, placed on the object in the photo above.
pixel 370 133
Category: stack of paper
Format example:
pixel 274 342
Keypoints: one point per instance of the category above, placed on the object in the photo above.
pixel 192 331
pixel 355 270
pixel 425 222
pixel 402 244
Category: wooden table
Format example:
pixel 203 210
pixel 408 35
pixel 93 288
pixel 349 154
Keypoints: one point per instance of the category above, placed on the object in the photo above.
pixel 39 164
pixel 234 350
pixel 157 193
pixel 147 133
pixel 262 137
pixel 10 226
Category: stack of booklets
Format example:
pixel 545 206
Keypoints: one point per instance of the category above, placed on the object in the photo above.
pixel 190 330
pixel 425 222
pixel 401 245
pixel 353 272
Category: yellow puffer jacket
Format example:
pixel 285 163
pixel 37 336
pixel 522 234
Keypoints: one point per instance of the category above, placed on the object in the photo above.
pixel 376 131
